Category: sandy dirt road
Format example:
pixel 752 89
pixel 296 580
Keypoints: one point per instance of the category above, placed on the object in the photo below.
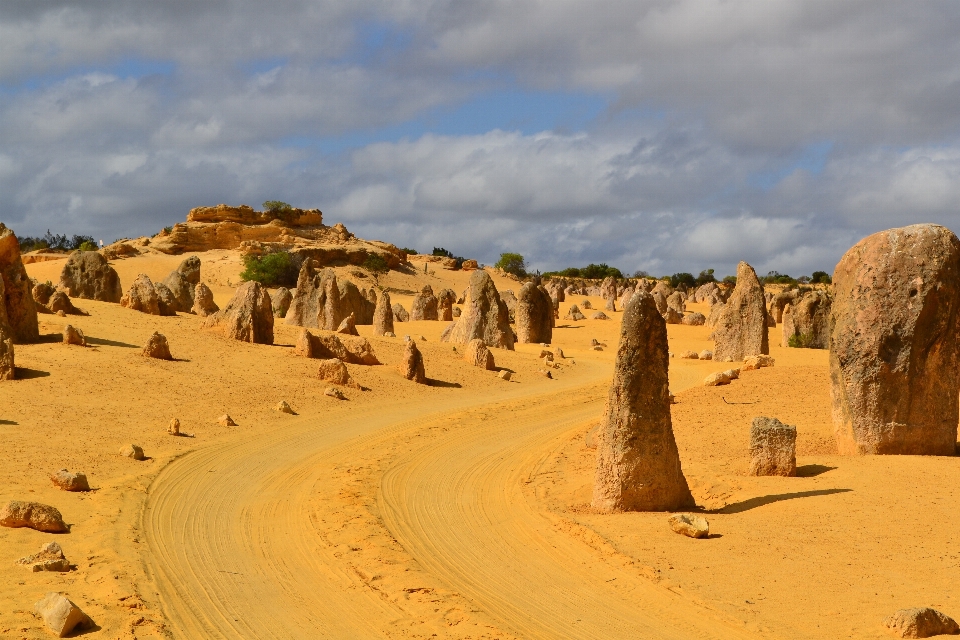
pixel 238 544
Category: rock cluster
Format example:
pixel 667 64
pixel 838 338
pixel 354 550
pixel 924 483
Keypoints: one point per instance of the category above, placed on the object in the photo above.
pixel 50 300
pixel 247 317
pixel 87 274
pixel 143 297
pixel 894 357
pixel 638 465
pixel 741 328
pixel 485 316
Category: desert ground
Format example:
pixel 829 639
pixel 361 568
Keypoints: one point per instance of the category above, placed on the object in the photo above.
pixel 459 509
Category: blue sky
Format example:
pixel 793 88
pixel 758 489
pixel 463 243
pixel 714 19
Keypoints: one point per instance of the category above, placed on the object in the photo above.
pixel 663 135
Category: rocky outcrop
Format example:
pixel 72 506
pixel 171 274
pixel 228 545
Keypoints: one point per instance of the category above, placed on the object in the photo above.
pixel 86 274
pixel 478 355
pixel 638 465
pixel 773 448
pixel 33 515
pixel 424 305
pixel 321 301
pixel 741 325
pixel 383 315
pixel 157 347
pixel 280 301
pixel 247 317
pixel 50 300
pixel 19 311
pixel 411 363
pixel 203 304
pixel 142 296
pixel 484 316
pixel 445 301
pixel 399 313
pixel 534 315
pixel 299 231
pixel 806 322
pixel 894 358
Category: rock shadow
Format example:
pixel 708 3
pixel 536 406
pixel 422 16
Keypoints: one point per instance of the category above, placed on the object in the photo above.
pixel 10 422
pixel 811 470
pixel 110 343
pixel 753 503
pixel 442 383
pixel 23 373
pixel 49 338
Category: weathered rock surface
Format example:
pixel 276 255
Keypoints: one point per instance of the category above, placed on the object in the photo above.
pixel 72 335
pixel 348 327
pixel 174 427
pixel 50 558
pixel 672 316
pixel 534 315
pixel 335 371
pixel 86 274
pixel 132 451
pixel 477 354
pixel 573 313
pixel 399 313
pixel 717 379
pixel 706 354
pixel 226 421
pixel 33 515
pixel 484 316
pixel 383 315
pixel 203 304
pixel 445 301
pixel 7 366
pixel 807 321
pixel 284 407
pixel 61 615
pixel 157 347
pixel 247 317
pixel 60 302
pixel 690 525
pixel 773 448
pixel 638 465
pixel 694 319
pixel 70 481
pixel 780 302
pixel 355 301
pixel 424 305
pixel 894 357
pixel 922 622
pixel 142 296
pixel 411 363
pixel 741 326
pixel 181 285
pixel 280 301
pixel 678 302
pixel 757 362
pixel 19 311
pixel 168 302
pixel 333 392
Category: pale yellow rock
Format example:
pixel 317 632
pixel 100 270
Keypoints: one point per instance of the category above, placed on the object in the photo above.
pixel 690 525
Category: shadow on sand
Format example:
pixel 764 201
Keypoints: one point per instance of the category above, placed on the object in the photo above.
pixel 110 343
pixel 22 373
pixel 753 503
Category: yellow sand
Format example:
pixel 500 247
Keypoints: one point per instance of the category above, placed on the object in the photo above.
pixel 455 510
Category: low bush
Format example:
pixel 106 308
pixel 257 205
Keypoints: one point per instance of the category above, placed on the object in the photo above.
pixel 272 270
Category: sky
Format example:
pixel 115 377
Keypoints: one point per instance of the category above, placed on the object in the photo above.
pixel 655 135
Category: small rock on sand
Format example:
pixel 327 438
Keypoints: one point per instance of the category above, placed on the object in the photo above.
pixel 757 362
pixel 690 355
pixel 333 392
pixel 73 336
pixel 226 421
pixel 33 515
pixel 174 428
pixel 284 407
pixel 59 614
pixel 157 347
pixel 132 451
pixel 922 622
pixel 545 373
pixel 333 370
pixel 505 375
pixel 70 481
pixel 50 558
pixel 773 448
pixel 599 315
pixel 706 354
pixel 717 379
pixel 690 525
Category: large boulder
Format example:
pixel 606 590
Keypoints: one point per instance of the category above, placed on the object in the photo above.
pixel 411 363
pixel 477 354
pixel 773 448
pixel 534 315
pixel 383 315
pixel 399 313
pixel 247 317
pixel 142 296
pixel 86 274
pixel 484 316
pixel 741 325
pixel 445 301
pixel 203 304
pixel 638 465
pixel 280 301
pixel 353 300
pixel 807 321
pixel 182 283
pixel 19 309
pixel 894 361
pixel 424 305
pixel 61 615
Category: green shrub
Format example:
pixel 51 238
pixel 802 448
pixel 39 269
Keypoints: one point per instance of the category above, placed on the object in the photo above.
pixel 377 266
pixel 512 263
pixel 800 341
pixel 410 252
pixel 87 246
pixel 821 277
pixel 705 276
pixel 730 279
pixel 686 279
pixel 272 270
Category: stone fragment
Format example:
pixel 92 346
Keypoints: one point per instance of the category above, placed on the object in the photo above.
pixel 399 313
pixel 478 355
pixel 690 525
pixel 226 421
pixel 333 392
pixel 50 558
pixel 485 316
pixel 70 481
pixel 411 363
pixel 558 352
pixel 773 448
pixel 383 315
pixel 741 327
pixel 757 362
pixel 280 301
pixel 157 347
pixel 445 301
pixel 18 310
pixel 247 317
pixel 638 465
pixel 534 314
pixel 86 274
pixel 357 349
pixel 706 354
pixel 335 371
pixel 693 319
pixel 181 290
pixel 72 335
pixel 174 428
pixel 348 327
pixel 505 375
pixel 304 345
pixel 33 515
pixel 922 622
pixel 132 451
pixel 284 407
pixel 545 373
pixel 586 304
pixel 689 355
pixel 573 313
pixel 391 334
pixel 142 296
pixel 203 304
pixel 61 615
pixel 599 315
pixel 597 347
pixel 424 305
pixel 894 353
pixel 717 379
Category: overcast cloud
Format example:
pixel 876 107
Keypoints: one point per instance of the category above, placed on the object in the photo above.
pixel 656 135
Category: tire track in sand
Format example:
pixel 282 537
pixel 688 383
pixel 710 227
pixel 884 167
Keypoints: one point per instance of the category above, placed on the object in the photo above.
pixel 460 508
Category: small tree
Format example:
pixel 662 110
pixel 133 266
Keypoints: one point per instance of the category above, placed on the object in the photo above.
pixel 686 279
pixel 512 263
pixel 278 209
pixel 705 276
pixel 377 267
pixel 272 270
pixel 820 277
